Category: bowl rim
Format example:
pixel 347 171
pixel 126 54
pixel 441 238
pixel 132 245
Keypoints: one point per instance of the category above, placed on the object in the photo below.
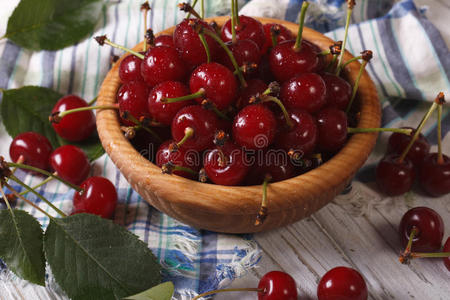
pixel 119 148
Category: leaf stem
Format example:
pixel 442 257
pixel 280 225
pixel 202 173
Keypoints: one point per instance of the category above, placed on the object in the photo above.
pixel 13 177
pixel 46 180
pixel 301 21
pixel 362 130
pixel 24 199
pixel 31 168
pixel 227 290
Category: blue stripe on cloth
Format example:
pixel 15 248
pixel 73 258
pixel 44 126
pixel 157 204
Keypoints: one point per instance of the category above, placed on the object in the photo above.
pixel 376 9
pixel 293 8
pixel 209 244
pixel 73 60
pixel 7 62
pixel 48 66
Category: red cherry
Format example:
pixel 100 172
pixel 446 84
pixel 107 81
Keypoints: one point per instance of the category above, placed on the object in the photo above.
pixel 302 137
pixel 332 129
pixel 162 64
pixel 188 43
pixel 218 82
pixel 447 249
pixel 165 112
pixel 70 163
pixel 244 51
pixel 434 177
pixel 306 91
pixel 338 92
pixel 393 177
pixel 253 88
pixel 164 40
pixel 429 226
pixel 397 143
pixel 146 144
pixel 181 157
pixel 249 29
pixel 273 162
pixel 130 69
pixel 285 35
pixel 132 97
pixel 98 197
pixel 277 285
pixel 76 126
pixel 286 63
pixel 203 122
pixel 225 165
pixel 33 147
pixel 254 127
pixel 342 283
pixel 264 72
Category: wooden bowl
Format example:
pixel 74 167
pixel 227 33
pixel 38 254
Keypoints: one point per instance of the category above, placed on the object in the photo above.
pixel 233 209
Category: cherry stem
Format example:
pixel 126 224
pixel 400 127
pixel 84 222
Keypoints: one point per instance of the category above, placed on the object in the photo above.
pixel 169 167
pixel 188 16
pixel 20 160
pixel 274 37
pixel 440 159
pixel 145 7
pixel 362 130
pixel 233 22
pixel 301 21
pixel 435 104
pixel 205 45
pixel 188 133
pixel 350 5
pixel 93 101
pixel 355 87
pixel 227 290
pixel 58 211
pixel 236 14
pixel 262 213
pixel 431 255
pixel 201 92
pixel 283 109
pixel 324 53
pixel 230 55
pixel 350 61
pixel 411 238
pixel 46 180
pixel 31 168
pixel 202 9
pixel 130 117
pixel 332 62
pixel 62 114
pixel 108 42
pixel 21 197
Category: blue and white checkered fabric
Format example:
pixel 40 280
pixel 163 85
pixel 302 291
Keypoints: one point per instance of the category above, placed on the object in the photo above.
pixel 411 62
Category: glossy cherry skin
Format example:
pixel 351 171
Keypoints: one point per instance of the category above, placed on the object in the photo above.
pixel 70 163
pixel 164 112
pixel 285 35
pixel 181 157
pixel 332 129
pixel 218 82
pixel 397 143
pixel 254 87
pixel 447 249
pixel 244 51
pixel 434 178
pixel 162 64
pixel 204 122
pixel 130 69
pixel 394 178
pixel 250 29
pixel 188 43
pixel 98 197
pixel 306 91
pixel 164 40
pixel 277 285
pixel 302 138
pixel 285 63
pixel 77 126
pixel 132 97
pixel 342 283
pixel 34 148
pixel 254 127
pixel 430 229
pixel 231 172
pixel 338 91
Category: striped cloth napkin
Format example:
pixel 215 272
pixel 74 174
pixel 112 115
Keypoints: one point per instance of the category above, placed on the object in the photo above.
pixel 411 63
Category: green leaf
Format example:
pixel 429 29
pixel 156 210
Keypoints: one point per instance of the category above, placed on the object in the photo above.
pixel 28 109
pixel 163 291
pixel 21 245
pixel 87 253
pixel 52 24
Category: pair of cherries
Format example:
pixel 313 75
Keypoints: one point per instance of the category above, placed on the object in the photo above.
pixel 97 195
